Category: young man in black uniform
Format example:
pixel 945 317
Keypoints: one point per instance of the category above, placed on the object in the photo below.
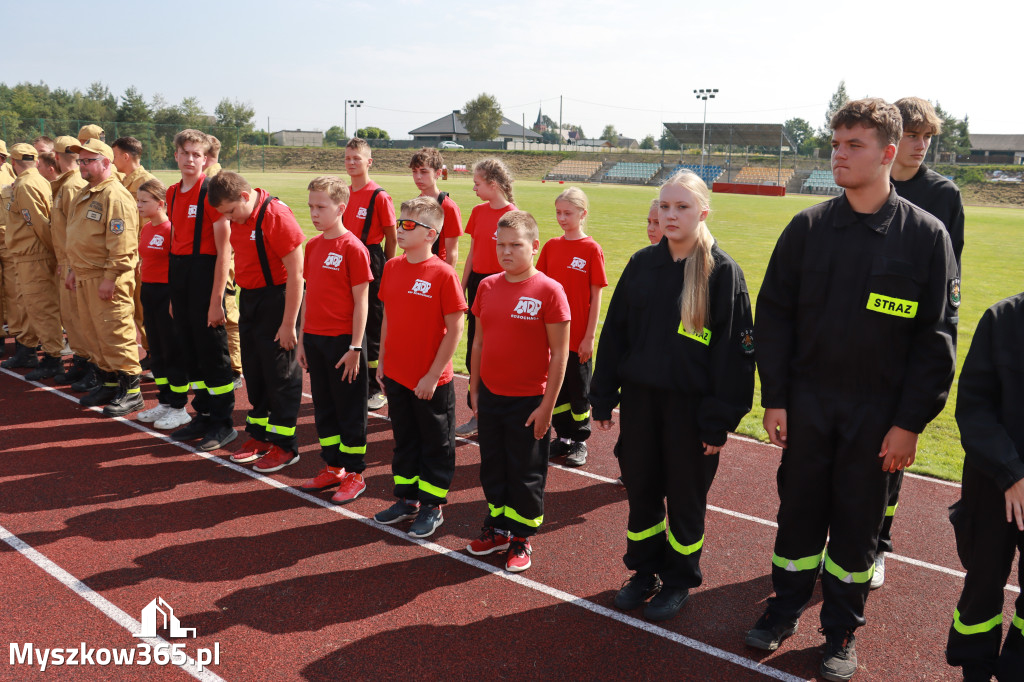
pixel 856 331
pixel 989 517
pixel 926 189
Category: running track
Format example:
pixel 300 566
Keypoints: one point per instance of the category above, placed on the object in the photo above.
pixel 100 516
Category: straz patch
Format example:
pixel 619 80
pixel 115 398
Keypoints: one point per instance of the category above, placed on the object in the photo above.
pixel 888 305
pixel 704 337
pixel 747 341
pixel 27 216
pixel 116 226
pixel 954 292
pixel 93 215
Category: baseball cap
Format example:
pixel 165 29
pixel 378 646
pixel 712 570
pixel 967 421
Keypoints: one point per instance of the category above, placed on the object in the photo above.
pixel 62 144
pixel 23 152
pixel 89 132
pixel 94 145
pixel 3 148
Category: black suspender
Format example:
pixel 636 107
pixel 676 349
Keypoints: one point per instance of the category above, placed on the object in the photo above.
pixel 435 248
pixel 261 248
pixel 197 236
pixel 369 214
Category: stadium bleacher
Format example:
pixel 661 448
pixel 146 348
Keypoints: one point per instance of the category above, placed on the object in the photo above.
pixel 574 169
pixel 627 171
pixel 709 174
pixel 820 182
pixel 760 175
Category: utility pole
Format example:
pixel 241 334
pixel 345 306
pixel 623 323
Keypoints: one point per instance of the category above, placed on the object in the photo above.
pixel 704 94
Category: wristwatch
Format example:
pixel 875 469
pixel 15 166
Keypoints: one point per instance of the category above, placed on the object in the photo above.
pixel 356 348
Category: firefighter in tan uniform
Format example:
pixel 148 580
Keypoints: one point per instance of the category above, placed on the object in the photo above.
pixel 102 245
pixel 128 161
pixel 30 244
pixel 10 314
pixel 211 168
pixel 94 132
pixel 65 187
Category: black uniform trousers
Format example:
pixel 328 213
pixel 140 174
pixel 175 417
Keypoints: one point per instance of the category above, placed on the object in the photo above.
pixel 513 464
pixel 374 315
pixel 472 284
pixel 424 432
pixel 204 349
pixel 986 544
pixel 339 407
pixel 663 461
pixel 164 350
pixel 273 378
pixel 831 487
pixel 571 417
pixel 885 537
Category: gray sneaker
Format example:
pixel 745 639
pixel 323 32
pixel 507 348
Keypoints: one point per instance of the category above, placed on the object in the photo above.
pixel 376 401
pixel 468 429
pixel 576 454
pixel 401 510
pixel 427 521
pixel 840 662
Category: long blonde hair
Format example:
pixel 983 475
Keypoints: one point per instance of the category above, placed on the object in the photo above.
pixel 694 303
pixel 578 198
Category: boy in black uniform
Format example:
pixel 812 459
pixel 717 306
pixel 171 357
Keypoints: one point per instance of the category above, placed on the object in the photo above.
pixel 989 517
pixel 926 189
pixel 856 330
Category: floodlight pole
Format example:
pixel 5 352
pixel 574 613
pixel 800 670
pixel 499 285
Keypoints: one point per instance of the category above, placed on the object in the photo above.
pixel 704 94
pixel 355 104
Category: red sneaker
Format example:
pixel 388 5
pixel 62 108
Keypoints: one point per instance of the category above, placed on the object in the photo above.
pixel 252 450
pixel 489 541
pixel 519 551
pixel 352 486
pixel 275 460
pixel 324 480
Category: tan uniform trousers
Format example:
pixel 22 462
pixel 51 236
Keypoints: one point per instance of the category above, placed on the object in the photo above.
pixel 231 325
pixel 38 297
pixel 109 326
pixel 14 316
pixel 69 314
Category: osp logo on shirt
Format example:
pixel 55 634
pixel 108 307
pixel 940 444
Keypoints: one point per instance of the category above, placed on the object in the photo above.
pixel 526 309
pixel 421 288
pixel 252 237
pixel 156 242
pixel 192 211
pixel 361 213
pixel 578 264
pixel 333 261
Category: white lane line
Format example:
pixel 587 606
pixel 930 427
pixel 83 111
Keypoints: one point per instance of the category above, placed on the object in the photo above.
pixel 555 593
pixel 99 602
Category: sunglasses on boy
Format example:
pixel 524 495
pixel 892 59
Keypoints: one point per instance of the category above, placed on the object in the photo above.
pixel 408 224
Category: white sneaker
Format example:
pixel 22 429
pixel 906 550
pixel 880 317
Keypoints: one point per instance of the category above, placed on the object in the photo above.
pixel 151 415
pixel 376 401
pixel 878 578
pixel 173 418
pixel 468 429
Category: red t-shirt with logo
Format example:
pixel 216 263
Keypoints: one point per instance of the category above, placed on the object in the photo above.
pixel 182 212
pixel 576 264
pixel 154 248
pixel 355 213
pixel 483 227
pixel 331 268
pixel 416 298
pixel 281 236
pixel 452 227
pixel 513 316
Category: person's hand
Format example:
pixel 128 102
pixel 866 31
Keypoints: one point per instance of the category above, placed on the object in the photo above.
pixel 899 448
pixel 541 420
pixel 604 424
pixel 586 349
pixel 711 449
pixel 300 356
pixel 775 423
pixel 216 317
pixel 285 336
pixel 425 388
pixel 1015 504
pixel 351 362
pixel 106 290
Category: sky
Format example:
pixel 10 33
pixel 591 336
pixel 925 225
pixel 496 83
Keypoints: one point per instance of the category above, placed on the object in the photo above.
pixel 631 65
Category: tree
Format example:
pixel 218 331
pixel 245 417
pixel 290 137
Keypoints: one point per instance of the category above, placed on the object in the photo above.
pixel 549 137
pixel 647 142
pixel 801 133
pixel 667 141
pixel 192 113
pixel 133 107
pixel 235 114
pixel 335 135
pixel 839 98
pixel 372 133
pixel 609 133
pixel 482 117
pixel 955 136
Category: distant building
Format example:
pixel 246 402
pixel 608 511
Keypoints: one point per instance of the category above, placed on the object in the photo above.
pixel 450 127
pixel 995 149
pixel 297 138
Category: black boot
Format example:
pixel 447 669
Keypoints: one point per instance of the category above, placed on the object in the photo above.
pixel 128 398
pixel 47 369
pixel 76 372
pixel 104 392
pixel 89 380
pixel 24 357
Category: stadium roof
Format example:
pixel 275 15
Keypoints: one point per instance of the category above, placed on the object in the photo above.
pixel 451 124
pixel 735 134
pixel 1001 143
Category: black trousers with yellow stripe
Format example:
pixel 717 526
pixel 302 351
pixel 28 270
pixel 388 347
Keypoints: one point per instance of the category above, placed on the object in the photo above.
pixel 273 378
pixel 831 487
pixel 513 464
pixel 424 461
pixel 986 544
pixel 571 417
pixel 339 406
pixel 164 349
pixel 374 315
pixel 663 465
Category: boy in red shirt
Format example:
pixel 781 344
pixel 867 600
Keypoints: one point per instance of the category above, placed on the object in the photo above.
pixel 267 242
pixel 337 272
pixel 426 169
pixel 370 216
pixel 518 364
pixel 423 311
pixel 198 273
pixel 575 261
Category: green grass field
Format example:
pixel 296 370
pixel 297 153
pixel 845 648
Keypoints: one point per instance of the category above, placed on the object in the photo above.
pixel 747 228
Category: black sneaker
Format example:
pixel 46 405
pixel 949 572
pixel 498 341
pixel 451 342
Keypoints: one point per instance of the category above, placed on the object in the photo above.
pixel 840 662
pixel 194 430
pixel 636 590
pixel 576 454
pixel 401 510
pixel 666 604
pixel 47 369
pixel 769 632
pixel 217 438
pixel 427 521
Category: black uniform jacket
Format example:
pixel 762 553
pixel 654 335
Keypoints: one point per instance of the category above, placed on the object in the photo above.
pixel 861 308
pixel 990 394
pixel 641 341
pixel 940 197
